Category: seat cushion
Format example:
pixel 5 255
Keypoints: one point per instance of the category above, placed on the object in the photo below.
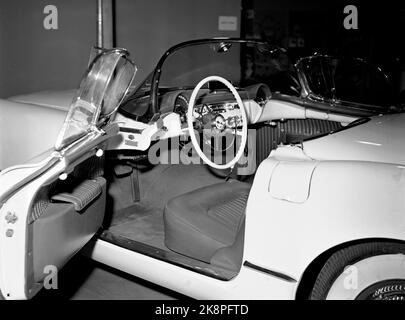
pixel 200 222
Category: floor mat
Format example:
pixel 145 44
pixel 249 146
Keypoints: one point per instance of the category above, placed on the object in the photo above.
pixel 145 225
pixel 135 211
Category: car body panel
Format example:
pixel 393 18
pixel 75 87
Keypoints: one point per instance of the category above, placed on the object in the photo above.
pixel 243 286
pixel 26 130
pixel 59 100
pixel 348 200
pixel 379 140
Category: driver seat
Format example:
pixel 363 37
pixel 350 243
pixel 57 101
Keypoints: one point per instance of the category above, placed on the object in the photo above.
pixel 200 222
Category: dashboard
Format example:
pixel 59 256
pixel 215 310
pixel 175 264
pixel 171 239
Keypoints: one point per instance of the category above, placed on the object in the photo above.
pixel 216 109
pixel 220 105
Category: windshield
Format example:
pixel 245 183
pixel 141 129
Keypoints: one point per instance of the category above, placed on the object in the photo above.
pixel 101 91
pixel 243 63
pixel 347 80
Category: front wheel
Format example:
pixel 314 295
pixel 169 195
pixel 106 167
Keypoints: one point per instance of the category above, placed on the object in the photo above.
pixel 368 271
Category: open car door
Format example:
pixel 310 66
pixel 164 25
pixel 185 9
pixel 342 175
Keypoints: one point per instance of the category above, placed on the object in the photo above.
pixel 50 208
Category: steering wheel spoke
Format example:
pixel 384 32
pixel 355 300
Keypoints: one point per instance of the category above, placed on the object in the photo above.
pixel 239 132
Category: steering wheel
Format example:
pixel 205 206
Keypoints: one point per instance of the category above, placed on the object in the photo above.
pixel 242 132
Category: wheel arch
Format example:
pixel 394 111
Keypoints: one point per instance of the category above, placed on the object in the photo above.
pixel 312 270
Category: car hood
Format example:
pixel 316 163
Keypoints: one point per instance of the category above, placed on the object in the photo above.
pixel 59 100
pixel 26 130
pixel 379 140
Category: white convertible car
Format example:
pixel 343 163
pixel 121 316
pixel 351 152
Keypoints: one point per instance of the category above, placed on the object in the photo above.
pixel 229 173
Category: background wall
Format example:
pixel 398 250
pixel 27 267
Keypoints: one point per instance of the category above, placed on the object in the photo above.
pixel 320 25
pixel 149 27
pixel 33 58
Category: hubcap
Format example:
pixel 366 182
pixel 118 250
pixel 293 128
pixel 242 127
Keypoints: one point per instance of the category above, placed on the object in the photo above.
pixel 384 290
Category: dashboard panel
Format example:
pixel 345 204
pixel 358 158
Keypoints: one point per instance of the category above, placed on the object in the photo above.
pixel 216 109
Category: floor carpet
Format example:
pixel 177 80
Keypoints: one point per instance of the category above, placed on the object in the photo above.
pixel 144 224
pixel 143 221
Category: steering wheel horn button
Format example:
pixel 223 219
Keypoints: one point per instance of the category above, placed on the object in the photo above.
pixel 220 123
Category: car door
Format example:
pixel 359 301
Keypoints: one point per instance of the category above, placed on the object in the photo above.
pixel 51 207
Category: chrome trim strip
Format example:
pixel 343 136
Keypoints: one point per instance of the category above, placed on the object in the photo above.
pixel 269 272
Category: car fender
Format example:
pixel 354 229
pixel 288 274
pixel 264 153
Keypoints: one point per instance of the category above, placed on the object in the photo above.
pixel 347 201
pixel 26 130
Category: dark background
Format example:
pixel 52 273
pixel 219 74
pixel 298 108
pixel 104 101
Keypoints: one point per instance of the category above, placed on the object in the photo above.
pixel 379 37
pixel 34 59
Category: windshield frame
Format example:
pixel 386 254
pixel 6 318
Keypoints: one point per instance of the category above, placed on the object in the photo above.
pixel 158 69
pixel 334 101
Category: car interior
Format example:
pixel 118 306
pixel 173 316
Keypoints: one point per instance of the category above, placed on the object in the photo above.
pixel 190 215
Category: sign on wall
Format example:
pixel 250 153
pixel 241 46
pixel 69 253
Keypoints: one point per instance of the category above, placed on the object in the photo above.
pixel 228 23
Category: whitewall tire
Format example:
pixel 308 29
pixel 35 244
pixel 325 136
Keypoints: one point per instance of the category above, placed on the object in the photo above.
pixel 369 271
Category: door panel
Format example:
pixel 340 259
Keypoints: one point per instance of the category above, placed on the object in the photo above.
pixel 50 210
pixel 36 231
pixel 61 231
